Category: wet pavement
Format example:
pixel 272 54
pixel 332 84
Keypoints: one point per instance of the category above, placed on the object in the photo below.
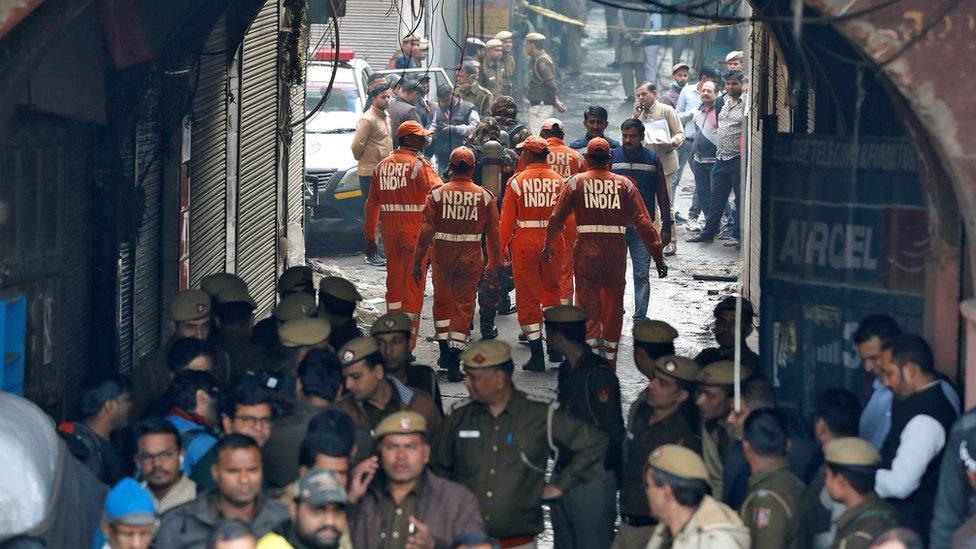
pixel 685 303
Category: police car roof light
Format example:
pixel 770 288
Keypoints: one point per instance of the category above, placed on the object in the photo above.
pixel 329 54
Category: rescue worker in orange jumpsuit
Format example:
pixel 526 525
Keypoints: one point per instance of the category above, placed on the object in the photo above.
pixel 397 194
pixel 567 162
pixel 604 204
pixel 456 217
pixel 526 209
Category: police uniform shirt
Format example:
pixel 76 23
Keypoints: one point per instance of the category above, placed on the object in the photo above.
pixel 642 438
pixel 503 459
pixel 395 517
pixel 861 523
pixel 591 391
pixel 775 509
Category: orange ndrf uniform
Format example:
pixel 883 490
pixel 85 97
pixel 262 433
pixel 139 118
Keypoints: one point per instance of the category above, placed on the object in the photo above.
pixel 567 162
pixel 526 209
pixel 604 204
pixel 399 189
pixel 456 217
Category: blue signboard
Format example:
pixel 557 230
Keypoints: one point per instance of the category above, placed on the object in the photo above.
pixel 844 236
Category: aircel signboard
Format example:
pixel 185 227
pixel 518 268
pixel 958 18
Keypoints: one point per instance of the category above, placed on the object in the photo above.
pixel 845 235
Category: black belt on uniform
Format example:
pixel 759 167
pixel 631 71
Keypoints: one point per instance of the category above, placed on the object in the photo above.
pixel 637 522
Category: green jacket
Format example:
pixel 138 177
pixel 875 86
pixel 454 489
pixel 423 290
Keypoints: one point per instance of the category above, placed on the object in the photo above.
pixel 775 510
pixel 503 459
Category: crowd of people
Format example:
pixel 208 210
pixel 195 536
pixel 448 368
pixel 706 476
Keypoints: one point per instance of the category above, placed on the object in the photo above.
pixel 303 431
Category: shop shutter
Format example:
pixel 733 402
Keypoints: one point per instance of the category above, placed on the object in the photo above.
pixel 140 261
pixel 208 159
pixel 296 159
pixel 371 27
pixel 257 211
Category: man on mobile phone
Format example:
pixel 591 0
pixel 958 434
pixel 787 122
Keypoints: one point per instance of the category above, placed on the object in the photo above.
pixel 399 499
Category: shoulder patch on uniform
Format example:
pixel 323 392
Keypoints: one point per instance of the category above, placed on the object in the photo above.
pixel 763 515
pixel 603 395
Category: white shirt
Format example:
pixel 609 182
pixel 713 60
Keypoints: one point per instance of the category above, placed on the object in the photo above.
pixel 920 442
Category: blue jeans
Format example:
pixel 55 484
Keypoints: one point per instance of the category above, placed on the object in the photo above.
pixel 725 180
pixel 703 187
pixel 640 259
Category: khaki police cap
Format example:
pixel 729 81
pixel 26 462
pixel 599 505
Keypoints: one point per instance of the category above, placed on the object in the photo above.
pixel 235 296
pixel 300 332
pixel 735 54
pixel 189 305
pixel 678 367
pixel 391 323
pixel 340 288
pixel 493 43
pixel 678 461
pixel 486 353
pixel 851 451
pixel 721 373
pixel 654 331
pixel 294 306
pixel 357 349
pixel 216 283
pixel 564 314
pixel 504 35
pixel 295 279
pixel 400 423
pixel 534 37
pixel 423 44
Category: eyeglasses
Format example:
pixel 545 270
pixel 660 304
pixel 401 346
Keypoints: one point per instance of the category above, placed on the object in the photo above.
pixel 164 455
pixel 252 421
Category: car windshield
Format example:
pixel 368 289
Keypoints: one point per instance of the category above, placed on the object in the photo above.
pixel 341 108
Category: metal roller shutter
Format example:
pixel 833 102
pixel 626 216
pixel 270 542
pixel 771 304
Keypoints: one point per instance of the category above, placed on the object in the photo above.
pixel 139 261
pixel 208 160
pixel 369 27
pixel 296 159
pixel 147 260
pixel 258 193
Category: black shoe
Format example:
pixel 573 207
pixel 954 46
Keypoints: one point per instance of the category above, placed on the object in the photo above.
pixel 488 328
pixel 702 238
pixel 537 362
pixel 454 374
pixel 507 307
pixel 444 350
pixel 522 339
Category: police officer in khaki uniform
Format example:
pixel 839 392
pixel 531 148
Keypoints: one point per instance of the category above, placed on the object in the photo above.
pixel 499 443
pixel 507 61
pixel 542 93
pixel 851 464
pixel 392 334
pixel 664 416
pixel 294 280
pixel 677 489
pixel 652 340
pixel 589 390
pixel 189 316
pixel 277 357
pixel 492 75
pixel 372 394
pixel 337 303
pixel 470 90
pixel 775 510
pixel 715 400
pixel 218 282
pixel 234 313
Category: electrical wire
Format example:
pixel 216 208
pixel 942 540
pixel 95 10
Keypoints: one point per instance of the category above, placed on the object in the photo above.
pixel 328 89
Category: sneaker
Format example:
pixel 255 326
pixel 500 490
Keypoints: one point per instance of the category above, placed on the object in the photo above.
pixel 376 261
pixel 702 238
pixel 678 218
pixel 670 249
